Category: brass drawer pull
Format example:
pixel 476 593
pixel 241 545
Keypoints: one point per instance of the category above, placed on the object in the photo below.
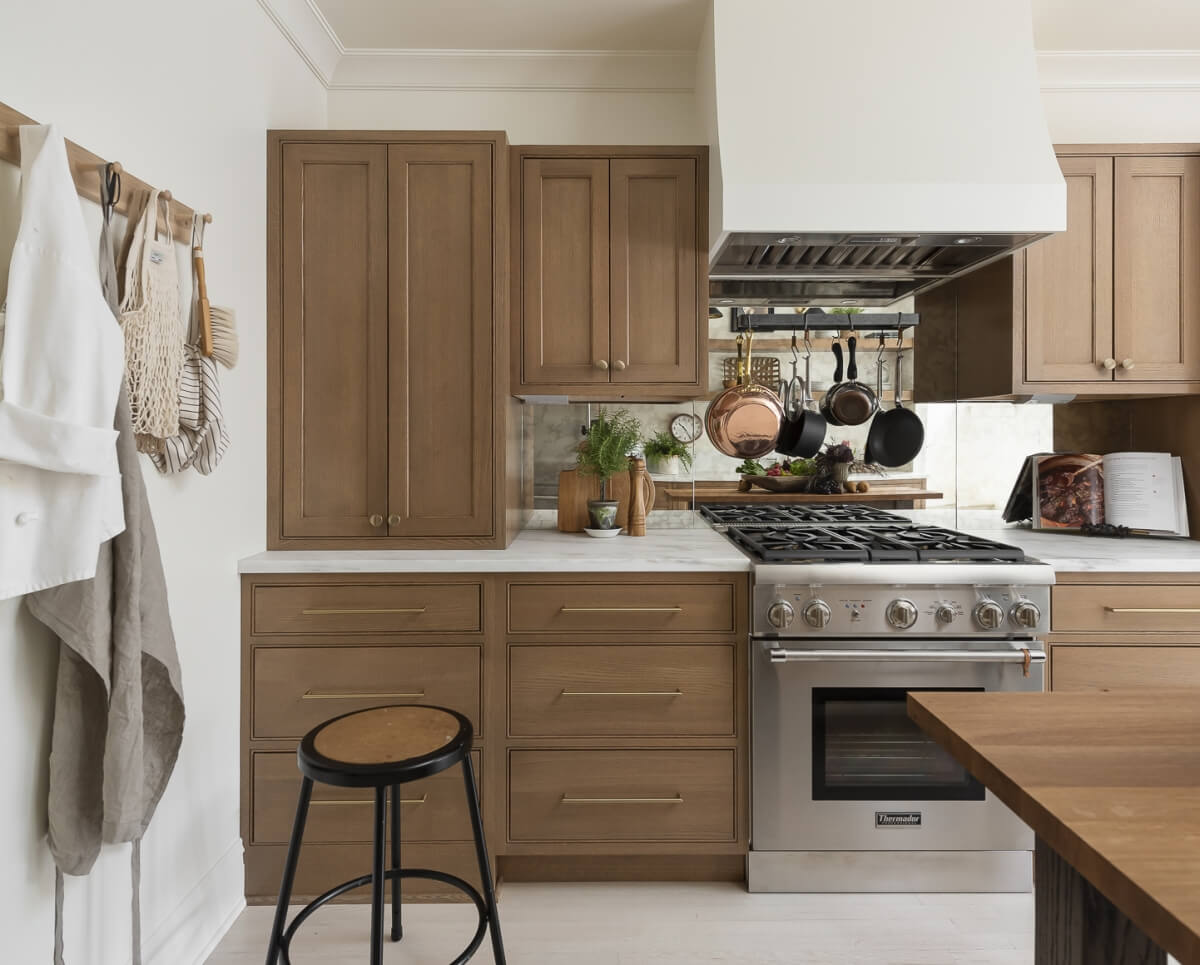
pixel 1152 609
pixel 357 695
pixel 677 799
pixel 621 609
pixel 622 693
pixel 342 610
pixel 403 800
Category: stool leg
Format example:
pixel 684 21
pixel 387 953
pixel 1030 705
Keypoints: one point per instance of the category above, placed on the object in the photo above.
pixel 377 878
pixel 289 871
pixel 397 928
pixel 485 866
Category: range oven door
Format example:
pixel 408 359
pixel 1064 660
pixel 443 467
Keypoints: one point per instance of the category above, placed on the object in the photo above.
pixel 839 766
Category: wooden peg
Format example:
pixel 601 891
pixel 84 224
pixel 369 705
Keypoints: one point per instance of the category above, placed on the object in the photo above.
pixel 115 167
pixel 166 195
pixel 207 218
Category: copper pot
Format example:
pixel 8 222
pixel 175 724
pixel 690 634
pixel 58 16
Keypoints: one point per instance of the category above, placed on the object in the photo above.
pixel 743 421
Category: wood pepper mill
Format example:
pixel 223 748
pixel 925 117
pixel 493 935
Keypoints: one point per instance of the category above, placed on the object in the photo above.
pixel 637 497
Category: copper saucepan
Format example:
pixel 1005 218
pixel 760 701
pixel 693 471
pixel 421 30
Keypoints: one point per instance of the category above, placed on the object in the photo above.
pixel 744 420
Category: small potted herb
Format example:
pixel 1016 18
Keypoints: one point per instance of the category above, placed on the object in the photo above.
pixel 666 455
pixel 603 453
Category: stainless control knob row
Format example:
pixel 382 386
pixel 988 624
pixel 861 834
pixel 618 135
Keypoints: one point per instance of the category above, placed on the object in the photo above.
pixel 817 614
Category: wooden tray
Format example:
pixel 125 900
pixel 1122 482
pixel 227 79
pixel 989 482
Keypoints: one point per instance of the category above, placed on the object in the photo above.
pixel 781 484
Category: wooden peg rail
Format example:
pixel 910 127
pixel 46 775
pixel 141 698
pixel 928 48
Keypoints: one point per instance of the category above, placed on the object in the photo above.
pixel 85 170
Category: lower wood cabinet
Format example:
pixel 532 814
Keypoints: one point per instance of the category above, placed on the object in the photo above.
pixel 1130 632
pixel 622 795
pixel 610 716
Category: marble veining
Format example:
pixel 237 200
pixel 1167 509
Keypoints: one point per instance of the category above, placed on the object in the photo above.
pixel 669 550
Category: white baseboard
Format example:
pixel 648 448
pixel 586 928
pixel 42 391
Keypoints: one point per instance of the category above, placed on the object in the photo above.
pixel 199 922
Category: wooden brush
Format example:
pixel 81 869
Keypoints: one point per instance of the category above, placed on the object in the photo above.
pixel 218 325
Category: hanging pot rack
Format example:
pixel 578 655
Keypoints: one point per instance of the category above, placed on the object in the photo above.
pixel 85 170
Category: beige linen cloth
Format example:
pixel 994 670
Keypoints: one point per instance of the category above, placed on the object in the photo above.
pixel 118 713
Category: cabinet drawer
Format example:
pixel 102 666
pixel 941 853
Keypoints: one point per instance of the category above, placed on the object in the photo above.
pixel 666 795
pixel 610 691
pixel 434 809
pixel 621 607
pixel 1124 608
pixel 296 688
pixel 1125 668
pixel 368 608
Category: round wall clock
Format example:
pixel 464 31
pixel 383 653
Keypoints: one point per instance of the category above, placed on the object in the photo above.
pixel 686 427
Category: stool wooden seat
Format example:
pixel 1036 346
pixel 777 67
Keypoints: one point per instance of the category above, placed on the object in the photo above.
pixel 385 747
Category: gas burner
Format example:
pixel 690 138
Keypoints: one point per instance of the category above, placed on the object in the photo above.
pixel 750 515
pixel 880 543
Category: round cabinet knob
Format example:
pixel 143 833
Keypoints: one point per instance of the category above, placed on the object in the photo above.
pixel 944 614
pixel 602 364
pixel 989 615
pixel 780 614
pixel 1109 364
pixel 619 365
pixel 817 614
pixel 1127 364
pixel 375 520
pixel 901 614
pixel 394 519
pixel 1026 614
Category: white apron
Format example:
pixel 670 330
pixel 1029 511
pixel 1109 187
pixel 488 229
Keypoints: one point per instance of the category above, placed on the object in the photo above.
pixel 60 374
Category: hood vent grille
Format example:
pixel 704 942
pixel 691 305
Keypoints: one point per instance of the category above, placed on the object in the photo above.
pixel 862 269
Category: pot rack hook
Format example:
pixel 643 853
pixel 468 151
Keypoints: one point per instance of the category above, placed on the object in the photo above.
pixel 807 340
pixel 795 354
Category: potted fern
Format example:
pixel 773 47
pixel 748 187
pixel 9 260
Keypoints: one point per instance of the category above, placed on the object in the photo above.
pixel 666 455
pixel 603 453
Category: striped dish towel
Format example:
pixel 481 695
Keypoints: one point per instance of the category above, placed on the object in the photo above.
pixel 202 438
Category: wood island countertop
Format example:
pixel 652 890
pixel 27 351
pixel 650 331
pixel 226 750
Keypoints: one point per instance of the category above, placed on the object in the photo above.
pixel 1111 782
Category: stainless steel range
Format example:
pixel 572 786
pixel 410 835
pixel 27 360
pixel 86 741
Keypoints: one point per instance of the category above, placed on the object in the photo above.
pixel 854 608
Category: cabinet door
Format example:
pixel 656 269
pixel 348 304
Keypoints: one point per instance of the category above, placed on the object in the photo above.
pixel 333 340
pixel 564 271
pixel 1157 268
pixel 1120 669
pixel 1068 282
pixel 441 358
pixel 654 264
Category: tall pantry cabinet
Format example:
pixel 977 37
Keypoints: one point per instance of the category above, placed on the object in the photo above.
pixel 388 339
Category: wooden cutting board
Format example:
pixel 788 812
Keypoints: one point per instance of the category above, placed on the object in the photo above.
pixel 575 490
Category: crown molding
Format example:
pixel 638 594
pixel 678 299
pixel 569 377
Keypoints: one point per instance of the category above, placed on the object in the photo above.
pixel 1072 71
pixel 626 71
pixel 306 29
pixel 341 68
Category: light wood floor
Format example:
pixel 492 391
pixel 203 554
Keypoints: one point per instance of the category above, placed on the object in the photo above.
pixel 674 924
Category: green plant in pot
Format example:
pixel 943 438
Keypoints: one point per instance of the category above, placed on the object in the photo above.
pixel 603 453
pixel 666 455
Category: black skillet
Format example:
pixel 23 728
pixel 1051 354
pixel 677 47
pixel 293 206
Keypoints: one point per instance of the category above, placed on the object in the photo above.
pixel 897 435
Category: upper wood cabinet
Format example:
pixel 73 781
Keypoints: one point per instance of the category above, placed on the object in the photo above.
pixel 387 340
pixel 612 272
pixel 1110 307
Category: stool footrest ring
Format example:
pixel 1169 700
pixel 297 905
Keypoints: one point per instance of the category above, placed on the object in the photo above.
pixel 394 875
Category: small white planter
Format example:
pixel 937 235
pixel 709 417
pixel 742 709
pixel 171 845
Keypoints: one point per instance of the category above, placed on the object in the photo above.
pixel 664 465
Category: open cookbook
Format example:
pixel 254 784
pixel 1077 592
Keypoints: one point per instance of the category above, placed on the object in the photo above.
pixel 1142 491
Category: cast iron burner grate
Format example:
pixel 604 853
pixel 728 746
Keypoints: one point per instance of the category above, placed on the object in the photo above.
pixel 750 514
pixel 877 544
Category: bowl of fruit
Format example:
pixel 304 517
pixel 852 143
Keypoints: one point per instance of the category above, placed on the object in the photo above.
pixel 788 476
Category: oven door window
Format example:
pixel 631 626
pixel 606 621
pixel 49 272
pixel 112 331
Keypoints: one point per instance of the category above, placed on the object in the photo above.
pixel 865 748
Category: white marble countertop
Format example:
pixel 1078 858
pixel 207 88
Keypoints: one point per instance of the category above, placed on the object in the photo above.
pixel 669 550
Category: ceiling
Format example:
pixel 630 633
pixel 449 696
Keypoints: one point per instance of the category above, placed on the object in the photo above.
pixel 676 24
pixel 517 24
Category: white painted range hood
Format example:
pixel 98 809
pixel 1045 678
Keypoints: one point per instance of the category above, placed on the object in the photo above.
pixel 864 150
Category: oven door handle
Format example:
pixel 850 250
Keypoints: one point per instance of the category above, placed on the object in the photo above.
pixel 781 655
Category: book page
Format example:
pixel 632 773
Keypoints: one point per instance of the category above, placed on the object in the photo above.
pixel 1139 491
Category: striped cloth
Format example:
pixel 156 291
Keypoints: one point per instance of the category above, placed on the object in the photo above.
pixel 202 438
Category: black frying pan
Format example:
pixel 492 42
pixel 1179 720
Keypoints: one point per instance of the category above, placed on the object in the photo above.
pixel 826 411
pixel 897 435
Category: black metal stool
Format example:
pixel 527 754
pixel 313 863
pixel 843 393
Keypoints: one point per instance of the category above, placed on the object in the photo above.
pixel 381 748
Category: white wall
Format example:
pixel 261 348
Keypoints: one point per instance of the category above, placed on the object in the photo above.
pixel 529 116
pixel 181 94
